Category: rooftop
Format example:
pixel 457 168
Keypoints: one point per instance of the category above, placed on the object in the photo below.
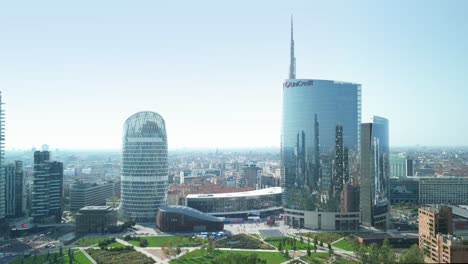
pixel 266 191
pixel 188 211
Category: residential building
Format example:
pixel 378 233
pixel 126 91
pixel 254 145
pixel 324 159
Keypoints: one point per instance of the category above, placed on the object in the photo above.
pixel 47 190
pixel 443 190
pixel 252 175
pixel 436 239
pixel 375 172
pixel 144 176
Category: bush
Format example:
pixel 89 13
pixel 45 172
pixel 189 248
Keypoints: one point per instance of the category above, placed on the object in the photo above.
pixel 143 243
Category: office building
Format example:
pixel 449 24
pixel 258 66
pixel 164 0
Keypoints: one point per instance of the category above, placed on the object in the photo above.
pixel 443 190
pixel 47 190
pixel 89 194
pixel 176 218
pixel 404 190
pixel 397 165
pixel 13 174
pixel 375 170
pixel 263 202
pixel 144 174
pixel 436 239
pixel 409 167
pixel 319 149
pixel 95 219
pixel 2 154
pixel 252 175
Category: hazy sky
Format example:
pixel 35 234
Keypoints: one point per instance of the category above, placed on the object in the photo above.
pixel 71 72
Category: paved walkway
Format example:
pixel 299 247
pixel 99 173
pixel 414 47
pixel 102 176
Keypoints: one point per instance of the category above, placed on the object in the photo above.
pixel 88 256
pixel 141 250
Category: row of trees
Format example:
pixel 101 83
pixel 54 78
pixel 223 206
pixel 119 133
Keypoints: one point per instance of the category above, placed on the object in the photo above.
pixel 386 255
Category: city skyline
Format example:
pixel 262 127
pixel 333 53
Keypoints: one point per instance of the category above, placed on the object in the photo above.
pixel 217 79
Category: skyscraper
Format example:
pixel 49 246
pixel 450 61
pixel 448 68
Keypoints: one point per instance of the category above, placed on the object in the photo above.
pixel 2 153
pixel 47 190
pixel 319 149
pixel 375 174
pixel 144 166
pixel 14 189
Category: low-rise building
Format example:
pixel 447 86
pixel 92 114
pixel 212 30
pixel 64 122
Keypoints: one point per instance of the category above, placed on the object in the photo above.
pixel 177 218
pixel 95 219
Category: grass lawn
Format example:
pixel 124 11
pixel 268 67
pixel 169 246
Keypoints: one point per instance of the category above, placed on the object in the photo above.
pixel 325 237
pixel 320 257
pixel 275 241
pixel 79 258
pixel 158 241
pixel 270 257
pixel 345 244
pixel 117 257
pixel 116 245
pixel 242 241
pixel 89 241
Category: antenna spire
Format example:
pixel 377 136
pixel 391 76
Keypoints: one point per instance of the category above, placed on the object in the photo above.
pixel 292 66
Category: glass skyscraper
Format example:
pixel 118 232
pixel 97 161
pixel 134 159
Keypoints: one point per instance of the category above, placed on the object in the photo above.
pixel 320 139
pixel 375 173
pixel 319 150
pixel 144 166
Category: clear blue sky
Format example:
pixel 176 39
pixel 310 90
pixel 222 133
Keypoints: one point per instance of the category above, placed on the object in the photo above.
pixel 71 72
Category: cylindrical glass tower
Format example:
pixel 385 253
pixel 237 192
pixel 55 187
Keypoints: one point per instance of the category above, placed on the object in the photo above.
pixel 144 166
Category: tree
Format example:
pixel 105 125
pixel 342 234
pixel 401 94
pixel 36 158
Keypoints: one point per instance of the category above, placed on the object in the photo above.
pixel 61 253
pixel 321 243
pixel 386 254
pixel 315 244
pixel 35 258
pixel 374 252
pixel 308 251
pixel 308 240
pixel 178 251
pixel 286 253
pixel 301 239
pixel 330 250
pixel 412 255
pixel 280 246
pixel 55 258
pixel 48 254
pixel 361 254
pixel 294 247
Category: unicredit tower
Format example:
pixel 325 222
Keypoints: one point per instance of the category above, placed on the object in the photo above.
pixel 320 152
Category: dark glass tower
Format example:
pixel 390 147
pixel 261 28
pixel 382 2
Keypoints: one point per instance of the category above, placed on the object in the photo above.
pixel 375 173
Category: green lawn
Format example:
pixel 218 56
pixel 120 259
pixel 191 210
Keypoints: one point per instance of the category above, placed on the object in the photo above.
pixel 79 258
pixel 115 245
pixel 118 257
pixel 89 241
pixel 275 241
pixel 242 241
pixel 317 258
pixel 158 241
pixel 345 244
pixel 270 257
pixel 325 237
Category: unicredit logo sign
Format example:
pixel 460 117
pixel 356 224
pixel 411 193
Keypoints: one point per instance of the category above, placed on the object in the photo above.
pixel 298 83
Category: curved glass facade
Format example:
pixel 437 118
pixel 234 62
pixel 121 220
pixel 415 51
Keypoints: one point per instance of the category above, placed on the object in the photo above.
pixel 232 203
pixel 144 166
pixel 319 142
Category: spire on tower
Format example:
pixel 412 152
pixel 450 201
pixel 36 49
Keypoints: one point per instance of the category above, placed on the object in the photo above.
pixel 292 66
